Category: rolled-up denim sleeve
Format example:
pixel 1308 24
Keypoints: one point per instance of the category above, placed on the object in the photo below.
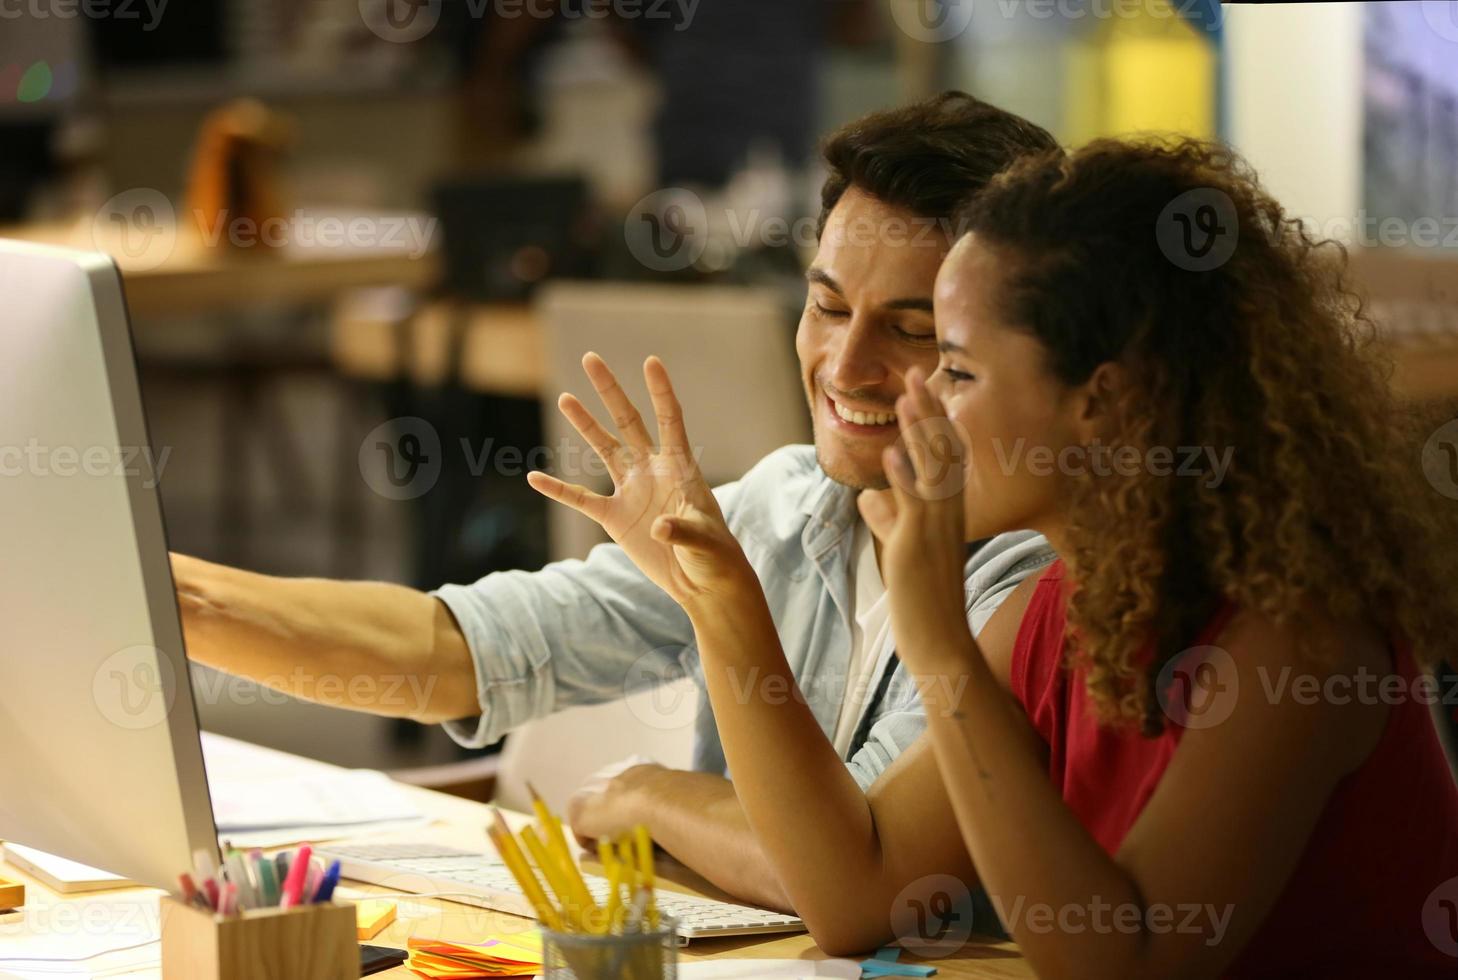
pixel 575 632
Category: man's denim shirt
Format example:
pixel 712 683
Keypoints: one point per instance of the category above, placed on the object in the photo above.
pixel 581 632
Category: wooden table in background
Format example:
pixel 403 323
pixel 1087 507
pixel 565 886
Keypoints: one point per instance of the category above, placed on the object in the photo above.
pixel 194 277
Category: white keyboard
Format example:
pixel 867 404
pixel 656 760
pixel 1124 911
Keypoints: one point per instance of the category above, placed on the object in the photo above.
pixel 484 881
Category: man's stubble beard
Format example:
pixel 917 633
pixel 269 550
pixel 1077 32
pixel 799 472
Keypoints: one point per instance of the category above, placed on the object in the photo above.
pixel 856 481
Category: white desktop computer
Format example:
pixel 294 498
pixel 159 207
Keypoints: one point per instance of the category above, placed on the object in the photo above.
pixel 100 759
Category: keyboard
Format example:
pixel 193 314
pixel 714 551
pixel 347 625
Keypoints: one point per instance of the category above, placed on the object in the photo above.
pixel 482 880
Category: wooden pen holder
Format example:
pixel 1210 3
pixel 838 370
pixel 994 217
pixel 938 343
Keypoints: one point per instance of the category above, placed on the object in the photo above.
pixel 307 942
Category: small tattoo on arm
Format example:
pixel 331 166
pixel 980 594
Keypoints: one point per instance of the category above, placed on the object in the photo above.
pixel 982 773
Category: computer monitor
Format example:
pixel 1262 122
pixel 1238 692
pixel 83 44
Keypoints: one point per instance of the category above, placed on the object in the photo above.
pixel 100 759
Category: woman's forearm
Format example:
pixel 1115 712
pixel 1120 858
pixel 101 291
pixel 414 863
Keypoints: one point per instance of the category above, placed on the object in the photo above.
pixel 369 646
pixel 1029 848
pixel 811 817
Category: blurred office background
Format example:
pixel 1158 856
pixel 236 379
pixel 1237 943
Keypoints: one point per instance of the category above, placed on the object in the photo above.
pixel 474 191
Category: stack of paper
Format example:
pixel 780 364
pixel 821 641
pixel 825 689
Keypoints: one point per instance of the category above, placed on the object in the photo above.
pixel 263 799
pixel 517 954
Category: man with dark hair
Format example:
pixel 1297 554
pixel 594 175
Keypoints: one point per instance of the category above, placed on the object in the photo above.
pixel 519 645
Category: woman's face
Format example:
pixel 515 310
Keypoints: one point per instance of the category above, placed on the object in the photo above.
pixel 1015 416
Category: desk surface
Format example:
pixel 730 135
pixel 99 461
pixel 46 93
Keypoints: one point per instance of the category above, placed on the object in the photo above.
pixel 462 823
pixel 174 269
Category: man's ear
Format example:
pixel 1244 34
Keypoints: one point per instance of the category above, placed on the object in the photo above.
pixel 1097 402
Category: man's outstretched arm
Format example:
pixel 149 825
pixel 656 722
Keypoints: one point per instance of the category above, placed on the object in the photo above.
pixel 369 646
pixel 695 817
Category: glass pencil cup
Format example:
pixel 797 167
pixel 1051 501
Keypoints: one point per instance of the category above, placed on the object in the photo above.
pixel 648 955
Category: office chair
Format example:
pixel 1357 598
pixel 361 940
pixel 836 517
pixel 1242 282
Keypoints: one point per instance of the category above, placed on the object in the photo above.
pixel 557 753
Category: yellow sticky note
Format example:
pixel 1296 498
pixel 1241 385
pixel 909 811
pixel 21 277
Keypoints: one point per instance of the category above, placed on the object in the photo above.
pixel 371 916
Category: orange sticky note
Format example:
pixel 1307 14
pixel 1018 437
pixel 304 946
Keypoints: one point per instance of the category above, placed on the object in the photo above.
pixel 12 894
pixel 371 916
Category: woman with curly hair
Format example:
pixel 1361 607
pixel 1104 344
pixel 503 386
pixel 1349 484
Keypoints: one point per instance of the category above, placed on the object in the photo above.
pixel 1198 745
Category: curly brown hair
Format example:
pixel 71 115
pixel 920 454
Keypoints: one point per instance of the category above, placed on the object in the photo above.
pixel 1324 511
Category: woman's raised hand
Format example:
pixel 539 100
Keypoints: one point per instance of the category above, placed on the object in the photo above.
pixel 661 511
pixel 919 522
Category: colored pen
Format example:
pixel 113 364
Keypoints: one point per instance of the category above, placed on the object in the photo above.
pixel 293 886
pixel 312 878
pixel 281 869
pixel 202 864
pixel 228 903
pixel 210 889
pixel 189 890
pixel 267 882
pixel 327 886
pixel 237 873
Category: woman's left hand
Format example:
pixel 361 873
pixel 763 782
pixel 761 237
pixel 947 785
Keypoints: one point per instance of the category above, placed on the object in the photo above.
pixel 661 511
pixel 919 522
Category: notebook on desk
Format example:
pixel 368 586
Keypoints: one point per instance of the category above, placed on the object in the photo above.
pixel 59 874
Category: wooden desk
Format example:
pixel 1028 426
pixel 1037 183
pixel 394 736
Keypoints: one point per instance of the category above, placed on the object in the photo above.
pixel 190 276
pixel 462 823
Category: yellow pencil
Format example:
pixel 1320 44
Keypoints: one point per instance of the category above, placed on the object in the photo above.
pixel 556 841
pixel 615 900
pixel 645 870
pixel 556 878
pixel 626 858
pixel 516 863
pixel 605 855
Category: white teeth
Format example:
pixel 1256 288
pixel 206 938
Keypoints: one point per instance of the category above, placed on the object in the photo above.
pixel 864 418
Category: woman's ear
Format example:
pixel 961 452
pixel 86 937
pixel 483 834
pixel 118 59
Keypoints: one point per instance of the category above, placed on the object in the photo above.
pixel 1098 401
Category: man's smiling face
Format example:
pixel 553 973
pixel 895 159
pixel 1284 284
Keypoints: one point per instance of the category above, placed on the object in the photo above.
pixel 867 320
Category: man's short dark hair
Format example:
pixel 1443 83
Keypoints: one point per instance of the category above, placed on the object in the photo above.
pixel 928 157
